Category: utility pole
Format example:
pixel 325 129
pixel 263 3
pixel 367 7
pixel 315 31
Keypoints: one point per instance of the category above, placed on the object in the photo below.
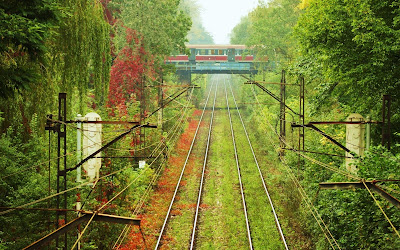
pixel 301 120
pixel 282 114
pixel 62 161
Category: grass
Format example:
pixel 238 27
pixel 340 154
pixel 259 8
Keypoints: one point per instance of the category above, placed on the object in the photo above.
pixel 263 230
pixel 222 222
pixel 179 227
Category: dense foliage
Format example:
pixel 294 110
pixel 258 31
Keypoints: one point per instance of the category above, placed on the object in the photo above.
pixel 348 53
pixel 100 53
pixel 197 34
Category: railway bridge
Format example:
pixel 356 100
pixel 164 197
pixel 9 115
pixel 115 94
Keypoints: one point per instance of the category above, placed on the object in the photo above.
pixel 214 59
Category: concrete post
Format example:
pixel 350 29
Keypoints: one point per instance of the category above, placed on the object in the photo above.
pixel 92 143
pixel 355 139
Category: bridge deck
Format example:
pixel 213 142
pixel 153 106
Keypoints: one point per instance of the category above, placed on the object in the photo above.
pixel 217 68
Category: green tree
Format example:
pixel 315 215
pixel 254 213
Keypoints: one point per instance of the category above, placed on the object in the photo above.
pixel 197 34
pixel 355 47
pixel 160 25
pixel 271 29
pixel 24 27
pixel 240 33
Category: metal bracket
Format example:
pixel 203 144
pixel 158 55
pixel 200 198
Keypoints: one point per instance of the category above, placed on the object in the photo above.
pixel 325 135
pixel 74 223
pixel 271 94
pixel 370 184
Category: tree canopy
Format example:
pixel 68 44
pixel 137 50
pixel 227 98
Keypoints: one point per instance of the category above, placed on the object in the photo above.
pixel 357 46
pixel 197 34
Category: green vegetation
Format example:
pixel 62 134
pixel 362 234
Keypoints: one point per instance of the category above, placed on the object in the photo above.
pixel 222 222
pixel 197 34
pixel 104 53
pixel 98 52
pixel 347 52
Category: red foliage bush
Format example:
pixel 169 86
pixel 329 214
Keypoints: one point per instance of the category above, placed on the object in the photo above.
pixel 157 207
pixel 127 73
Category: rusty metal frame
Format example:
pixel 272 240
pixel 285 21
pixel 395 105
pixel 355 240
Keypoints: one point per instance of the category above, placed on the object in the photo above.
pixel 325 135
pixel 360 185
pixel 61 130
pixel 74 223
pixel 271 94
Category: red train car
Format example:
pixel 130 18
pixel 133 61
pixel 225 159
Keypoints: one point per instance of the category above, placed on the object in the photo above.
pixel 213 53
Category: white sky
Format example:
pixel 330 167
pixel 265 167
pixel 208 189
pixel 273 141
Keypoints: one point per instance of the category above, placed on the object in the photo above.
pixel 221 16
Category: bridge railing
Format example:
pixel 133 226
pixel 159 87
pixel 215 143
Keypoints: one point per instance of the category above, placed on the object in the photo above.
pixel 216 66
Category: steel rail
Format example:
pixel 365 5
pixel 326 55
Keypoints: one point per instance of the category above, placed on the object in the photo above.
pixel 239 173
pixel 261 175
pixel 170 137
pixel 181 175
pixel 203 173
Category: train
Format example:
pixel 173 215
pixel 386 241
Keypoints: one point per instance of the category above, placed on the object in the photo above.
pixel 213 54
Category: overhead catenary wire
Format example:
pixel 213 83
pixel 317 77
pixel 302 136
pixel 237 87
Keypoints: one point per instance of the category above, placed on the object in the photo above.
pixel 128 167
pixel 141 201
pixel 104 205
pixel 172 139
pixel 301 190
pixel 45 198
pixel 346 174
pixel 327 166
pixel 62 192
pixel 181 175
pixel 56 194
pixel 380 208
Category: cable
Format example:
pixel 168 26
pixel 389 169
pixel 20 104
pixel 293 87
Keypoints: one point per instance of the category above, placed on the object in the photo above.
pixel 118 193
pixel 141 201
pixel 332 168
pixel 45 198
pixel 181 175
pixel 383 212
pixel 104 205
pixel 301 190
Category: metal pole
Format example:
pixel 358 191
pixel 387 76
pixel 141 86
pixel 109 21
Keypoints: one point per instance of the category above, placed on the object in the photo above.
pixel 79 147
pixel 301 120
pixel 386 121
pixel 62 135
pixel 368 134
pixel 79 169
pixel 282 115
pixel 49 191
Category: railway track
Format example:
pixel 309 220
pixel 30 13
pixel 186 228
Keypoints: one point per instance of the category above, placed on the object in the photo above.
pixel 259 171
pixel 255 171
pixel 196 216
pixel 238 170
